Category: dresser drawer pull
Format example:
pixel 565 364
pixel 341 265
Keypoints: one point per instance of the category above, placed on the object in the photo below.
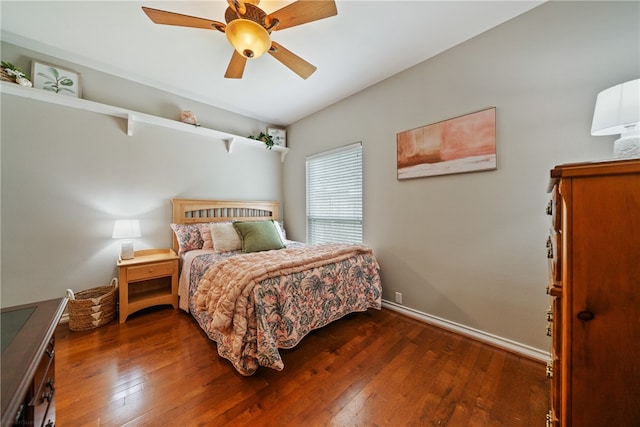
pixel 586 315
pixel 549 248
pixel 19 414
pixel 48 395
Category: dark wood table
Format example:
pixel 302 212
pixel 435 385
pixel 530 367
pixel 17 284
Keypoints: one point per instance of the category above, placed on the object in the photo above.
pixel 28 368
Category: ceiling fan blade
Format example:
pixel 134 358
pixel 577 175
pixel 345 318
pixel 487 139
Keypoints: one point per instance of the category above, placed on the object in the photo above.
pixel 292 61
pixel 235 70
pixel 171 18
pixel 303 11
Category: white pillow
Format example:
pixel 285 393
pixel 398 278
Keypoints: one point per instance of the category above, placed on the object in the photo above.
pixel 225 237
pixel 280 227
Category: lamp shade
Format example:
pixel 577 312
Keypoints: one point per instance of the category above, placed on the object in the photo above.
pixel 249 38
pixel 617 109
pixel 126 229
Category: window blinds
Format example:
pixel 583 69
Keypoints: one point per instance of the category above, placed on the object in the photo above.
pixel 334 195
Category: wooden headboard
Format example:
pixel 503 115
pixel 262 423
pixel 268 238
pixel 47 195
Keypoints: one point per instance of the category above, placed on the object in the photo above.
pixel 193 211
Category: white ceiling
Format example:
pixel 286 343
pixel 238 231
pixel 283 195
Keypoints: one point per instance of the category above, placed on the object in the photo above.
pixel 365 43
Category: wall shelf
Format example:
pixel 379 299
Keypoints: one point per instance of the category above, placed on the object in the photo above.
pixel 133 117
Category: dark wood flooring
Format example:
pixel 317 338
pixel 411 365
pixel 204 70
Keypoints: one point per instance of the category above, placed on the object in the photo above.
pixel 377 368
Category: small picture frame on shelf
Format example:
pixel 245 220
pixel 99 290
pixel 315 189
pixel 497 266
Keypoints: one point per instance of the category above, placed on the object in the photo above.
pixel 278 135
pixel 55 79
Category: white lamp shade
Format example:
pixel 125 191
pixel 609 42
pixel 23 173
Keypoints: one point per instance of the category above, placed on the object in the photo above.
pixel 617 109
pixel 126 229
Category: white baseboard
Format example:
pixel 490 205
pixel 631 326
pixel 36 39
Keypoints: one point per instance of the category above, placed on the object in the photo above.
pixel 504 343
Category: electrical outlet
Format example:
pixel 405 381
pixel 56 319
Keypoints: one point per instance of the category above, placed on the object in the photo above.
pixel 399 297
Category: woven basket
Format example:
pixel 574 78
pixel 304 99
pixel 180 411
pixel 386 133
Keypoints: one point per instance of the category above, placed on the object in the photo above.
pixel 6 77
pixel 93 307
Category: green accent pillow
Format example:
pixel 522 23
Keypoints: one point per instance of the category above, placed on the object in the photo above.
pixel 258 235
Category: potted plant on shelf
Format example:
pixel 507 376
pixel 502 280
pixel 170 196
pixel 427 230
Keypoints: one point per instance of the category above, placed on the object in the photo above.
pixel 267 139
pixel 12 73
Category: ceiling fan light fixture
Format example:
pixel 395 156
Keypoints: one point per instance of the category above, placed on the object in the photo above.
pixel 248 38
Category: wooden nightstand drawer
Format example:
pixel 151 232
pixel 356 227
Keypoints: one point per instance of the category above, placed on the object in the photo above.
pixel 149 271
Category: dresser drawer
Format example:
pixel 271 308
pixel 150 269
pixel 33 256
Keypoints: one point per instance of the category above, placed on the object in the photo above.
pixel 149 271
pixel 44 388
pixel 556 356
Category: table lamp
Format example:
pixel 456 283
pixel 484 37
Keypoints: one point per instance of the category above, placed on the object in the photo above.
pixel 617 112
pixel 126 229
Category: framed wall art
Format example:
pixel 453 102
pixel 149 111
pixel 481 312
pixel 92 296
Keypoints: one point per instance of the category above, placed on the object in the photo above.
pixel 278 135
pixel 462 144
pixel 55 79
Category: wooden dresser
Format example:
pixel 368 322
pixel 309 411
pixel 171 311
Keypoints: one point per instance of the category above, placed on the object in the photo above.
pixel 594 288
pixel 28 363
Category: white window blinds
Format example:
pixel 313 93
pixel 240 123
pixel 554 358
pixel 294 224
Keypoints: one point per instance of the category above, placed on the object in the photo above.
pixel 334 195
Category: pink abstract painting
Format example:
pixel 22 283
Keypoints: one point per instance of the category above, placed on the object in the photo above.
pixel 462 144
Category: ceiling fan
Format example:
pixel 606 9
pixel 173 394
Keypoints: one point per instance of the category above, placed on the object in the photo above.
pixel 248 28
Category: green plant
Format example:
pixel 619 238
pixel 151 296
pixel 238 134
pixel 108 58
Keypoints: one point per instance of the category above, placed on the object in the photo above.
pixel 267 139
pixel 16 72
pixel 57 82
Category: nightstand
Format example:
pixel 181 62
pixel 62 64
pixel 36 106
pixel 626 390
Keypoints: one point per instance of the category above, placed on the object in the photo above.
pixel 150 278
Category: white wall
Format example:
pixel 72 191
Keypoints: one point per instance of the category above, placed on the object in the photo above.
pixel 68 174
pixel 470 248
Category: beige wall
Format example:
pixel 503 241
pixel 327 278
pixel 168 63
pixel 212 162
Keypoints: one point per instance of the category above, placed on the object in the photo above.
pixel 467 249
pixel 68 174
pixel 470 249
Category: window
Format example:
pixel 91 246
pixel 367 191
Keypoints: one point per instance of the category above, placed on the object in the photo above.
pixel 334 195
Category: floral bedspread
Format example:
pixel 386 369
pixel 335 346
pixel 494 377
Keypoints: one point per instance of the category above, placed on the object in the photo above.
pixel 281 309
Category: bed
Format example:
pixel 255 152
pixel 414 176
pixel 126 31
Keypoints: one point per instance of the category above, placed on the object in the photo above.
pixel 252 290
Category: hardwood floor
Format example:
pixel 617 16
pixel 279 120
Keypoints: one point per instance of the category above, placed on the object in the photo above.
pixel 377 368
